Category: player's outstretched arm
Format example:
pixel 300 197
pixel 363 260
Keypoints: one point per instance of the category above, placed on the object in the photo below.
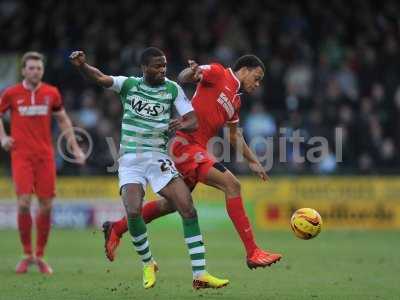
pixel 78 59
pixel 192 74
pixel 237 140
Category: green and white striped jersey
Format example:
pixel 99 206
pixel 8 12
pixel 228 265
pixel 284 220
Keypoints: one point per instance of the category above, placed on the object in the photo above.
pixel 147 112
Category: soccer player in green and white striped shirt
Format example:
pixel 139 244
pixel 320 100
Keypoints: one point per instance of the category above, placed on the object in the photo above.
pixel 147 103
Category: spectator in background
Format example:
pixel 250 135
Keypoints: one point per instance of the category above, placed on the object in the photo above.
pixel 258 127
pixel 88 115
pixel 259 123
pixel 337 62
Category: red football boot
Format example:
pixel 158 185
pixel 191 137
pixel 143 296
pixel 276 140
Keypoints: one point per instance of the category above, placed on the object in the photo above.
pixel 43 266
pixel 23 265
pixel 111 240
pixel 261 258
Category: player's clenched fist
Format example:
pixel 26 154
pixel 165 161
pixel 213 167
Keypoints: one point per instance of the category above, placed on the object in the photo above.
pixel 77 58
pixel 7 143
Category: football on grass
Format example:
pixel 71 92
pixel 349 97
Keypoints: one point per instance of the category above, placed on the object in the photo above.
pixel 306 223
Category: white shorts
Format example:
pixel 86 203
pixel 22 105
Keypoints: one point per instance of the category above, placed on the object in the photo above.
pixel 155 168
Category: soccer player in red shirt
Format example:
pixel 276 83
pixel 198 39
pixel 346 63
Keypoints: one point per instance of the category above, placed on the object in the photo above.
pixel 216 103
pixel 32 104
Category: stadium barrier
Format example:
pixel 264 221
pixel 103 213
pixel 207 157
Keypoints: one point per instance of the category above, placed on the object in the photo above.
pixel 344 202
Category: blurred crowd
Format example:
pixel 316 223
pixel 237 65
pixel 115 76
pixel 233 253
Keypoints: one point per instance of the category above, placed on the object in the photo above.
pixel 329 65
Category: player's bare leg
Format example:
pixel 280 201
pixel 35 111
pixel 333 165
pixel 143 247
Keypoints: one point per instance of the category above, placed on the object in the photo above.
pixel 113 231
pixel 132 197
pixel 224 180
pixel 24 222
pixel 43 227
pixel 177 193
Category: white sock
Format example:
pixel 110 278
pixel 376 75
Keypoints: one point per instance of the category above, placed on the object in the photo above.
pixel 197 274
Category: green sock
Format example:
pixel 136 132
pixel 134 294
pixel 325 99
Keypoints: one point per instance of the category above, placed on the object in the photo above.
pixel 194 242
pixel 138 231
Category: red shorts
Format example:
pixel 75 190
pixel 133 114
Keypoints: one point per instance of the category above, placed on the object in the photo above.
pixel 33 174
pixel 192 161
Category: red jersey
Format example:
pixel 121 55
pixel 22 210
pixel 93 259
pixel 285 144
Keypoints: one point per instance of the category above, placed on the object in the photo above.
pixel 31 113
pixel 216 102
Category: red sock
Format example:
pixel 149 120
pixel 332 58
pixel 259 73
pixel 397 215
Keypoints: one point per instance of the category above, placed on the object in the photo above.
pixel 43 224
pixel 150 211
pixel 236 212
pixel 120 226
pixel 24 221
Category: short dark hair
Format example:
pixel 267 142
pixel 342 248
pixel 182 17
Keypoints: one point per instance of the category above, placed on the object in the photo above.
pixel 31 55
pixel 148 54
pixel 249 61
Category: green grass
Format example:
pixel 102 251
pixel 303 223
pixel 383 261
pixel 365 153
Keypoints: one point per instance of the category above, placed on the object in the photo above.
pixel 336 265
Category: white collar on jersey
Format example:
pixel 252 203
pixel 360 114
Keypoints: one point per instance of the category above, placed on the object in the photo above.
pixel 25 85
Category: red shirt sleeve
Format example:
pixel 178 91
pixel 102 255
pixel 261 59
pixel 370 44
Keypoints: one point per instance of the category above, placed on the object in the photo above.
pixel 212 73
pixel 57 101
pixel 5 102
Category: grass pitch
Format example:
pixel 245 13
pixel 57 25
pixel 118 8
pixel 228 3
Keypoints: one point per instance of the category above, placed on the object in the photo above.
pixel 335 265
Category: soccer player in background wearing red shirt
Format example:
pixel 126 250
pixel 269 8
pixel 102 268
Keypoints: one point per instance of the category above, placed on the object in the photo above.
pixel 32 104
pixel 216 103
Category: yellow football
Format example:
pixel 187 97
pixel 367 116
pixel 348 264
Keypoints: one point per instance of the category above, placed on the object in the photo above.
pixel 306 223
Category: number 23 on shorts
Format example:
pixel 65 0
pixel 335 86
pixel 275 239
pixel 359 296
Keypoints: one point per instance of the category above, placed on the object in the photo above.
pixel 167 165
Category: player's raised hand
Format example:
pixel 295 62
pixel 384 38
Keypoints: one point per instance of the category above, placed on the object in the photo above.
pixel 77 58
pixel 257 168
pixel 196 69
pixel 7 143
pixel 193 64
